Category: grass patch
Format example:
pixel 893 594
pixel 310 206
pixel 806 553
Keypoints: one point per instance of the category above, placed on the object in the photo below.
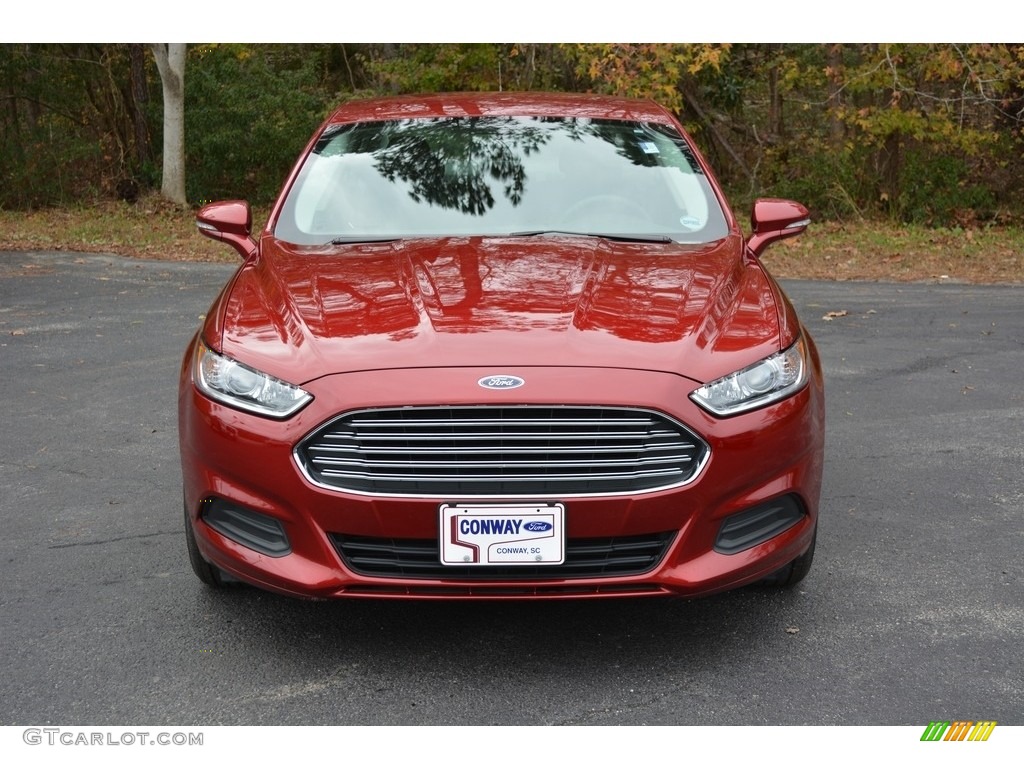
pixel 884 251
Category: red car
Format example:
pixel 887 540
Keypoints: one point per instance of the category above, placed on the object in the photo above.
pixel 501 346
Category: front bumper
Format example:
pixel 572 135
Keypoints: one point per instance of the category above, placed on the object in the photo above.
pixel 234 458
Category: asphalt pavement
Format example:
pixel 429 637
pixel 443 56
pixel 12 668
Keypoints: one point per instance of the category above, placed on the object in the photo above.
pixel 913 612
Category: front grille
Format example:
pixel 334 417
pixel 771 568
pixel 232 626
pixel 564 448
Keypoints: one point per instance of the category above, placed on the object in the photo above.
pixel 550 451
pixel 584 558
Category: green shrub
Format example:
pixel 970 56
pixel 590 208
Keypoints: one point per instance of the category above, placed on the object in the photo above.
pixel 938 190
pixel 37 171
pixel 248 113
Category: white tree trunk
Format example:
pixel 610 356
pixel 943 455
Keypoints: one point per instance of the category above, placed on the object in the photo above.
pixel 170 61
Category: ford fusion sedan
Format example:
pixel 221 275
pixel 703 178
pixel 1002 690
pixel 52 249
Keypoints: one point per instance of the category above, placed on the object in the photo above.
pixel 501 346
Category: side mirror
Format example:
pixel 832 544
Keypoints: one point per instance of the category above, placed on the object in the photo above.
pixel 773 220
pixel 229 222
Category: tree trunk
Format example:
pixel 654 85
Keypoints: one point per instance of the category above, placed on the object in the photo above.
pixel 690 101
pixel 32 108
pixel 139 99
pixel 834 54
pixel 170 61
pixel 776 126
pixel 891 162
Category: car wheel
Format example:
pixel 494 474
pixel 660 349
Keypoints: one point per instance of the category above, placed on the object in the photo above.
pixel 792 574
pixel 207 573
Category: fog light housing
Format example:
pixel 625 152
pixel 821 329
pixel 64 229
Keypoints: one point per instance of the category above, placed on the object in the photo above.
pixel 254 530
pixel 758 524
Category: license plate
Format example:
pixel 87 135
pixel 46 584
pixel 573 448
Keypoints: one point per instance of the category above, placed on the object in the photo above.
pixel 502 534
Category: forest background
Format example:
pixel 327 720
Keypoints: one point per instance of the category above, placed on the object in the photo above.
pixel 917 148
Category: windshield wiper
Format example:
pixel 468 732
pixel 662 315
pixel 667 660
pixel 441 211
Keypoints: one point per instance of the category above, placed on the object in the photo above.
pixel 355 239
pixel 602 235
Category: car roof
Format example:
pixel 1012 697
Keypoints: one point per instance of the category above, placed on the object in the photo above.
pixel 521 103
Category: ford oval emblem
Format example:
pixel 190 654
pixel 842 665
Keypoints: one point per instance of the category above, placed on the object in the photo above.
pixel 538 526
pixel 501 382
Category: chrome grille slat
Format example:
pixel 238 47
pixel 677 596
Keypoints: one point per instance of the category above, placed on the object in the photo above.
pixel 602 423
pixel 501 451
pixel 639 448
pixel 497 435
pixel 501 464
pixel 547 477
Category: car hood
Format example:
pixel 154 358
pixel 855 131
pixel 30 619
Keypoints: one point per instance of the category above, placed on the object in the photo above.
pixel 300 313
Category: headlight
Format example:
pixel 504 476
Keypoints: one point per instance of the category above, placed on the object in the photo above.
pixel 757 385
pixel 229 382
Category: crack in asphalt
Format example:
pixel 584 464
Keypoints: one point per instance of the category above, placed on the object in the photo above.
pixel 112 540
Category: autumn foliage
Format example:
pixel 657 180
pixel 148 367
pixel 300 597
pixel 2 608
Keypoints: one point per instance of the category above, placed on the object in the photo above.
pixel 925 133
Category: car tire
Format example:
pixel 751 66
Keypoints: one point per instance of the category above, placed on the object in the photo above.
pixel 792 574
pixel 205 571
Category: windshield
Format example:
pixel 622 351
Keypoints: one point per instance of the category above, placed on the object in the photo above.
pixel 497 176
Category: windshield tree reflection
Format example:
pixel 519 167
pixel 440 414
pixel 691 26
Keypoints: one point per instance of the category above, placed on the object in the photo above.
pixel 470 176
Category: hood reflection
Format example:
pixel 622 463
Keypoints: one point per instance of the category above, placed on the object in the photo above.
pixel 573 300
